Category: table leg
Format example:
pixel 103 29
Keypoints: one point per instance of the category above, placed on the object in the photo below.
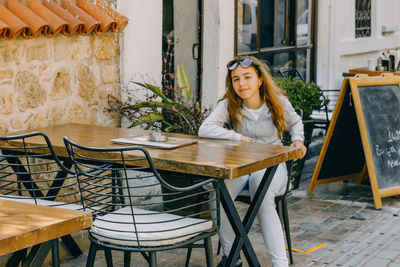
pixel 241 229
pixel 38 254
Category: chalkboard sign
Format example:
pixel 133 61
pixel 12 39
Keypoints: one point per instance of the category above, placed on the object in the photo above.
pixel 363 139
pixel 382 120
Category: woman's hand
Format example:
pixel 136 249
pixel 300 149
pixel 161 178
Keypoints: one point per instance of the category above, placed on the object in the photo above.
pixel 246 139
pixel 299 144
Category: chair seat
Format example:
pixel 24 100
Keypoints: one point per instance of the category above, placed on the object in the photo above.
pixel 152 228
pixel 42 202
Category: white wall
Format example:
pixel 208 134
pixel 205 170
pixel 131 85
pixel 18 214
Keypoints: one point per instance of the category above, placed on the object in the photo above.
pixel 141 44
pixel 141 41
pixel 337 48
pixel 218 48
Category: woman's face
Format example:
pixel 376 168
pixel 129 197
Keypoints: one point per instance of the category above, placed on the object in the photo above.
pixel 246 84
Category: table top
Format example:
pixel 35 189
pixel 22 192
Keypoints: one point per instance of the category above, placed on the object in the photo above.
pixel 208 157
pixel 24 225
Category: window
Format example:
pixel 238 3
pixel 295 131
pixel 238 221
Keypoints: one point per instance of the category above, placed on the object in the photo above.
pixel 277 31
pixel 363 18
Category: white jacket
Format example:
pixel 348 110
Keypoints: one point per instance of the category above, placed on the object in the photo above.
pixel 261 130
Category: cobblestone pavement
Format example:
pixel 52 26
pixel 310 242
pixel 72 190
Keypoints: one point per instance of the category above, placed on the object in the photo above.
pixel 340 214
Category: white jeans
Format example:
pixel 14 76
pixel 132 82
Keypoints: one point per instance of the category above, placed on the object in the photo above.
pixel 268 218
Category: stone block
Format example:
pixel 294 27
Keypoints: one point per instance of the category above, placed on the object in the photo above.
pixel 63 48
pixel 86 83
pixel 109 74
pixel 8 53
pixel 37 120
pixel 81 47
pixel 37 52
pixel 17 123
pixel 80 114
pixel 4 125
pixel 6 103
pixel 106 46
pixel 56 114
pixel 29 92
pixel 6 76
pixel 61 85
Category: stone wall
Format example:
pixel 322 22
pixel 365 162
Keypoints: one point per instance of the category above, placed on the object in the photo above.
pixel 65 79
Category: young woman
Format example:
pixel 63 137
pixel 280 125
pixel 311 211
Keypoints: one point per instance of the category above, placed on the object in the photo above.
pixel 254 109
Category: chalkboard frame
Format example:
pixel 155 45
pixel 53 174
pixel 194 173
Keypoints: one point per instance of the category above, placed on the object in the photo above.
pixel 368 169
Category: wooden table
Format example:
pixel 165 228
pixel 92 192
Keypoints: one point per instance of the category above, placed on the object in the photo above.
pixel 207 158
pixel 23 225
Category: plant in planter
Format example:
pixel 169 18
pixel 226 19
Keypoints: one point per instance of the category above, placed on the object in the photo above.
pixel 306 97
pixel 174 113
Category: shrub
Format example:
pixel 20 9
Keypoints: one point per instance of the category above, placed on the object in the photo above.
pixel 305 96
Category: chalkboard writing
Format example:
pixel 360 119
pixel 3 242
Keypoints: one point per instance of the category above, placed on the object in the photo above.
pixel 381 109
pixel 344 154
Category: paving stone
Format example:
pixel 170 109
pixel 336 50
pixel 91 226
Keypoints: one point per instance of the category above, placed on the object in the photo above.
pixel 389 254
pixel 343 259
pixel 355 260
pixel 376 263
pixel 341 214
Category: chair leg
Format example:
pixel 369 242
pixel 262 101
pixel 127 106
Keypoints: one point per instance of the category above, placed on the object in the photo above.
pixel 189 253
pixel 108 255
pixel 219 247
pixel 209 253
pixel 91 255
pixel 153 259
pixel 127 258
pixel 55 260
pixel 286 224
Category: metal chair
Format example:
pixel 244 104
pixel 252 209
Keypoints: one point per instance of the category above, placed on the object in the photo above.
pixel 281 208
pixel 34 174
pixel 135 209
pixel 289 73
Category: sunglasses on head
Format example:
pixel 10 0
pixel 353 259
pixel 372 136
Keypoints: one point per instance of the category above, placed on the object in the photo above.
pixel 244 63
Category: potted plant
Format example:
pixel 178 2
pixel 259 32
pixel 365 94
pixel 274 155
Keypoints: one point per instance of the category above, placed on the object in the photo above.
pixel 306 97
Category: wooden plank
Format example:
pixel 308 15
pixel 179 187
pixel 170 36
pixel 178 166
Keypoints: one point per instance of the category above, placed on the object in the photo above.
pixel 370 72
pixel 24 225
pixel 209 157
pixel 365 142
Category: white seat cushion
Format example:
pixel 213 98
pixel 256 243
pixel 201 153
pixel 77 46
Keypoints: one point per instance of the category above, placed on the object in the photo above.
pixel 153 228
pixel 42 202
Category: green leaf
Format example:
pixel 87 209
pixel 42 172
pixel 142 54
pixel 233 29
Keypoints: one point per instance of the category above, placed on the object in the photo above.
pixel 156 90
pixel 149 104
pixel 183 83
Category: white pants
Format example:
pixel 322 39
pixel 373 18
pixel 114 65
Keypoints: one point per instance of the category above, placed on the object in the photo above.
pixel 268 218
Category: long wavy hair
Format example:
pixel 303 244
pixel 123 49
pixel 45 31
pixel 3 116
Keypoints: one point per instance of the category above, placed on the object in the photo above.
pixel 270 93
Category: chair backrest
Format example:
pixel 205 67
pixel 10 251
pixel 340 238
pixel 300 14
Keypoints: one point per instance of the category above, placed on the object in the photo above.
pixel 33 173
pixel 132 204
pixel 290 73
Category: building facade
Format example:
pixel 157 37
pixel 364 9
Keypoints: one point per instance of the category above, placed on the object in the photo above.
pixel 323 39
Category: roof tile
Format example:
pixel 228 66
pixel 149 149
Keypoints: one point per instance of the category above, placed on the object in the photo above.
pixel 96 12
pixel 16 25
pixel 56 24
pixel 73 24
pixel 121 21
pixel 90 24
pixel 29 18
pixel 36 23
